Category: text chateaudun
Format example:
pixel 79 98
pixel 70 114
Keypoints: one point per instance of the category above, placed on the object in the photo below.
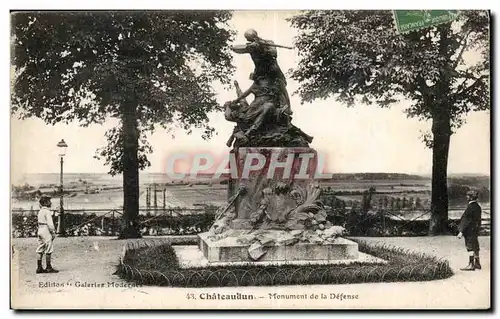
pixel 217 296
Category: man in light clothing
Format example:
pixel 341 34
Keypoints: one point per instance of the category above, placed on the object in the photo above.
pixel 46 236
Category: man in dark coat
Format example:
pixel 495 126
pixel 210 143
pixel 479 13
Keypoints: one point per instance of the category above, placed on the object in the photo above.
pixel 470 223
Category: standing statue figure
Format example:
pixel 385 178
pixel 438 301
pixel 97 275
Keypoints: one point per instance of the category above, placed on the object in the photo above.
pixel 266 121
pixel 264 56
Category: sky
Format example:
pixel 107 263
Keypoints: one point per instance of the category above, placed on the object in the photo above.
pixel 358 139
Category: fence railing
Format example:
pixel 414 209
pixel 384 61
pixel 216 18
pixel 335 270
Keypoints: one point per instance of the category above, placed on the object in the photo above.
pixel 105 222
pixel 176 211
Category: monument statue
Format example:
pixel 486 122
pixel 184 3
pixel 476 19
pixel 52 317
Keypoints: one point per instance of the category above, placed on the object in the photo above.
pixel 271 214
pixel 264 56
pixel 266 122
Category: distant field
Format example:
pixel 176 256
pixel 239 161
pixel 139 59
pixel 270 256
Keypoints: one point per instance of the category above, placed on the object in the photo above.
pixel 111 195
pixel 379 184
pixel 176 196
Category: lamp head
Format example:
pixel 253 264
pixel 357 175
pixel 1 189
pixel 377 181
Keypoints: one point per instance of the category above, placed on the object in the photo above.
pixel 62 147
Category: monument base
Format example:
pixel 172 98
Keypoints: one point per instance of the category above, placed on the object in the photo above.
pixel 241 224
pixel 233 249
pixel 192 257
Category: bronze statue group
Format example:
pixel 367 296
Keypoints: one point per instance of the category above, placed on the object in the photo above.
pixel 266 121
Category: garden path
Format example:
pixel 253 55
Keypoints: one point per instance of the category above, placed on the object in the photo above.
pixel 91 261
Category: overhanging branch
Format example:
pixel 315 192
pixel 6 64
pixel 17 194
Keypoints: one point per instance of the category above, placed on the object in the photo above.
pixel 466 76
pixel 463 42
pixel 470 87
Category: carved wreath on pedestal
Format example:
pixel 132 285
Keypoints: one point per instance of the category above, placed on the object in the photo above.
pixel 309 211
pixel 306 220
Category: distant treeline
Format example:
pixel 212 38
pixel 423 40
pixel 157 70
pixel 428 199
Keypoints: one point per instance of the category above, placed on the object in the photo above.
pixel 455 192
pixel 367 176
pixel 369 202
pixel 359 192
pixel 376 176
pixel 459 192
pixel 473 181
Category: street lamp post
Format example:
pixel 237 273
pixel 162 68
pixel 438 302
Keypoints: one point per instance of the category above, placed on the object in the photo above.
pixel 60 219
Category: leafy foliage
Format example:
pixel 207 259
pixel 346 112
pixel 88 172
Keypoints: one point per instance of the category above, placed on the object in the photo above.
pixel 86 66
pixel 113 151
pixel 357 56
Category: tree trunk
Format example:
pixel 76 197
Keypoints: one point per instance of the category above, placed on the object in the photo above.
pixel 439 199
pixel 130 226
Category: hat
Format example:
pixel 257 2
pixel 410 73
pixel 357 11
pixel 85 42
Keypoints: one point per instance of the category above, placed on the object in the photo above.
pixel 44 200
pixel 474 194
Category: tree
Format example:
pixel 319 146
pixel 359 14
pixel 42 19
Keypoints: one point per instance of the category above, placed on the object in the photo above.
pixel 398 203
pixel 357 57
pixel 386 202
pixel 404 203
pixel 380 203
pixel 411 203
pixel 147 69
pixel 418 203
pixel 365 206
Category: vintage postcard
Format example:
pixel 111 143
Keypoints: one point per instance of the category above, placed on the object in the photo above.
pixel 250 159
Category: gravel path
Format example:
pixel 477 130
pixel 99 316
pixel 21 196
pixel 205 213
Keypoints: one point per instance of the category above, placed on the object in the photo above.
pixel 86 280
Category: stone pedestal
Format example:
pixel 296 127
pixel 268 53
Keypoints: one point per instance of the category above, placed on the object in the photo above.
pixel 274 213
pixel 230 250
pixel 284 166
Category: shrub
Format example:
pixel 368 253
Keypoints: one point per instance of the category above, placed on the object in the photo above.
pixel 26 225
pixel 356 221
pixel 378 224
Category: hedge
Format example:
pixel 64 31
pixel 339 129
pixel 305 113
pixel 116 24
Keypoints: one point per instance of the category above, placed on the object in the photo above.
pixel 155 263
pixel 26 225
pixel 356 222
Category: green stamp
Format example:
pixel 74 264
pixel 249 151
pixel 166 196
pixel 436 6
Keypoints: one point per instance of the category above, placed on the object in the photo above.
pixel 414 20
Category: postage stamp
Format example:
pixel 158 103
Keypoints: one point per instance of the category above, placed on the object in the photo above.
pixel 250 160
pixel 413 20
